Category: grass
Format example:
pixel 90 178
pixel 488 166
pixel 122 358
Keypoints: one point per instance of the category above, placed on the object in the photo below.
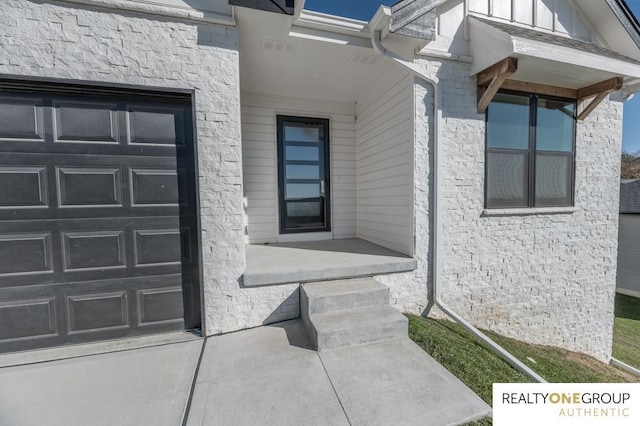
pixel 479 368
pixel 626 330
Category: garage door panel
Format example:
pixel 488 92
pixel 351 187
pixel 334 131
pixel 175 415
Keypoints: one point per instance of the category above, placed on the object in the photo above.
pixel 161 247
pixel 95 250
pixel 100 311
pixel 89 186
pixel 38 316
pixel 26 253
pixel 107 186
pixel 21 118
pixel 98 219
pixel 158 187
pixel 150 125
pixel 160 305
pixel 23 319
pixel 85 122
pixel 23 187
pixel 146 248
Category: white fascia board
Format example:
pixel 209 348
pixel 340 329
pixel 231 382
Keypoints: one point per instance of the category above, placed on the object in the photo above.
pixel 331 29
pixel 567 55
pixel 327 22
pixel 328 37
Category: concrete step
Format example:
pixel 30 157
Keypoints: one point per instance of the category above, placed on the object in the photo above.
pixel 331 330
pixel 339 295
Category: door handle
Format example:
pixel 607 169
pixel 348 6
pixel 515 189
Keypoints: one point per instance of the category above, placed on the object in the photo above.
pixel 322 187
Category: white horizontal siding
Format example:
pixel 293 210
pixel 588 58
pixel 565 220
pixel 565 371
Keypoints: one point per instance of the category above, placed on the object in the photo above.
pixel 629 253
pixel 385 166
pixel 260 164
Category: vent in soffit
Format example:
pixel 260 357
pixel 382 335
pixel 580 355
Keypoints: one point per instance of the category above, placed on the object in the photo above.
pixel 364 59
pixel 277 46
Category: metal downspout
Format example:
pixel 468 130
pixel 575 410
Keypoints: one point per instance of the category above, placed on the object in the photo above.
pixel 493 346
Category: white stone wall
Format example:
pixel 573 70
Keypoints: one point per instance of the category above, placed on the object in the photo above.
pixel 546 279
pixel 68 41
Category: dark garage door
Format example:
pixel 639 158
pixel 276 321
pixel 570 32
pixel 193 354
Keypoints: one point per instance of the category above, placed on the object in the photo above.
pixel 98 224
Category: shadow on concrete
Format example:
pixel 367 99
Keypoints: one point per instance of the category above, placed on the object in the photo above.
pixel 296 334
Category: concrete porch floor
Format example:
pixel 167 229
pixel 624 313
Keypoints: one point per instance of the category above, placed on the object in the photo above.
pixel 320 260
pixel 264 376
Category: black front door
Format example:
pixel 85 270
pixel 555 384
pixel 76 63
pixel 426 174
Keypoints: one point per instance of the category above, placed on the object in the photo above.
pixel 303 174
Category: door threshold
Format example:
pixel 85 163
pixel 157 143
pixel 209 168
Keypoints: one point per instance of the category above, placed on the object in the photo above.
pixel 37 356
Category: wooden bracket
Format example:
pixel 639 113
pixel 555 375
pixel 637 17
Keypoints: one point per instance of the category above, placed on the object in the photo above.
pixel 491 79
pixel 598 92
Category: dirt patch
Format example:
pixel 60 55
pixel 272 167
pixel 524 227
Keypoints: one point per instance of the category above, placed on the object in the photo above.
pixel 594 364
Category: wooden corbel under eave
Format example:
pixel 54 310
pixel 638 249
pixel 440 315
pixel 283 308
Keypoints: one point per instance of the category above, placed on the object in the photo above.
pixel 598 91
pixel 490 80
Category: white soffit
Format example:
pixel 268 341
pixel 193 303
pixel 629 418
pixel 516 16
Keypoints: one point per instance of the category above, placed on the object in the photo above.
pixel 543 62
pixel 322 58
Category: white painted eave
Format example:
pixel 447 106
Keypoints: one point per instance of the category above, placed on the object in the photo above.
pixel 523 47
pixel 318 26
pixel 328 37
pixel 340 30
pixel 338 24
pixel 542 62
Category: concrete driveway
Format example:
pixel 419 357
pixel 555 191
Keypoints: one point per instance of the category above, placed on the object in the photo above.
pixel 147 386
pixel 265 376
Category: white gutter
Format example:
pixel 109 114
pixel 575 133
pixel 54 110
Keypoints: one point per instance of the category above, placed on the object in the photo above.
pixel 298 8
pixel 378 22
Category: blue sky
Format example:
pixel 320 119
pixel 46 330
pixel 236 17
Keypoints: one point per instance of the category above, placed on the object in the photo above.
pixel 356 9
pixel 364 10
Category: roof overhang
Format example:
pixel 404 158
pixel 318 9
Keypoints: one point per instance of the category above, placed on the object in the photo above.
pixel 317 57
pixel 286 7
pixel 519 62
pixel 544 63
